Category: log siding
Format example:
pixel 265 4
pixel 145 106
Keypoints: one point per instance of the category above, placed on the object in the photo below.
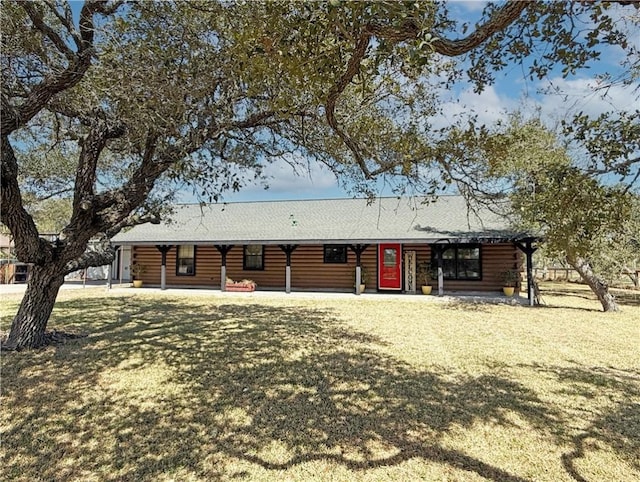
pixel 309 272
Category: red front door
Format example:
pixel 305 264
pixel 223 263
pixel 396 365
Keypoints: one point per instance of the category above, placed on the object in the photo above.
pixel 389 266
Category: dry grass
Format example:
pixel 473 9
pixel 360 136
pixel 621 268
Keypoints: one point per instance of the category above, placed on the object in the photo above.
pixel 220 388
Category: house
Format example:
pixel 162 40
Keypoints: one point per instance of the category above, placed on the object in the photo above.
pixel 11 270
pixel 14 271
pixel 326 245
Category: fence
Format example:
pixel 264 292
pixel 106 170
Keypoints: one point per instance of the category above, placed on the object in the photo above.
pixel 556 274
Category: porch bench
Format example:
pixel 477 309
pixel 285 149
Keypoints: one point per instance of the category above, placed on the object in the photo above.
pixel 244 285
pixel 239 287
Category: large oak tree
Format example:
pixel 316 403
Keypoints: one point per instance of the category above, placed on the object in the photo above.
pixel 583 203
pixel 142 95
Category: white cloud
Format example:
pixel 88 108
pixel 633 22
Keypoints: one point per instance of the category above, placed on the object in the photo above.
pixel 579 95
pixel 301 177
pixel 471 5
pixel 296 180
pixel 489 106
pixel 573 96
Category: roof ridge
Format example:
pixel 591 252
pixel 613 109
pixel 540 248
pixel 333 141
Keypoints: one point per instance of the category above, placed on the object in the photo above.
pixel 256 201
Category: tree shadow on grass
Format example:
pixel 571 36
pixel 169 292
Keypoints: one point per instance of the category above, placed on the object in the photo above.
pixel 212 390
pixel 618 427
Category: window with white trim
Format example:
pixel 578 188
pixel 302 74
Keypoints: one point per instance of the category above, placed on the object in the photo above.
pixel 253 257
pixel 186 260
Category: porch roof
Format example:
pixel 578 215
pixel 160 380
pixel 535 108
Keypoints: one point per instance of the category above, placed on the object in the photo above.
pixel 332 221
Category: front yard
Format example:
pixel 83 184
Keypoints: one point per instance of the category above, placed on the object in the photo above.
pixel 212 387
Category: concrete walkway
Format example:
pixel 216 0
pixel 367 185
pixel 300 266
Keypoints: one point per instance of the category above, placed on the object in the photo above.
pixel 68 285
pixel 127 289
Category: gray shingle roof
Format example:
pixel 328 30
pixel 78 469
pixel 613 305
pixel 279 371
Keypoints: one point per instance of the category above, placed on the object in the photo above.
pixel 323 221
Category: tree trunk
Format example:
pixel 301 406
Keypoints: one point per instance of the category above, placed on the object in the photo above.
pixel 634 276
pixel 599 286
pixel 29 325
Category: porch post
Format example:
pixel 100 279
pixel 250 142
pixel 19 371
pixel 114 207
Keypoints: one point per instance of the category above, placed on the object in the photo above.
pixel 288 249
pixel 223 249
pixel 439 249
pixel 358 249
pixel 110 269
pixel 440 274
pixel 109 276
pixel 528 249
pixel 120 265
pixel 164 249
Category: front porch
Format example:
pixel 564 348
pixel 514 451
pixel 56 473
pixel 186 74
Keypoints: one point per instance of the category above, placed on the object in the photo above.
pixel 474 297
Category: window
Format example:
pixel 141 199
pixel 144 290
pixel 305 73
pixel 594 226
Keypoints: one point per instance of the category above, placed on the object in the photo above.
pixel 186 261
pixel 461 262
pixel 253 258
pixel 335 253
pixel 468 263
pixel 390 257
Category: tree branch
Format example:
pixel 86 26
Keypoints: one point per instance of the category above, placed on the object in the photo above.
pixel 35 14
pixel 14 117
pixel 353 67
pixel 99 254
pixel 501 19
pixel 54 194
pixel 409 31
pixel 101 251
pixel 66 19
pixel 29 247
pixel 615 168
pixel 92 146
pixel 115 206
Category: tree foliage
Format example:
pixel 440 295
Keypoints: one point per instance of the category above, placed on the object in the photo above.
pixel 525 170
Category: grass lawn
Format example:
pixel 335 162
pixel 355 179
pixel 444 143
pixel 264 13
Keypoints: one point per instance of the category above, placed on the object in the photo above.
pixel 211 387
